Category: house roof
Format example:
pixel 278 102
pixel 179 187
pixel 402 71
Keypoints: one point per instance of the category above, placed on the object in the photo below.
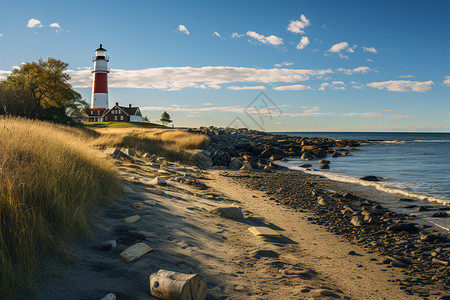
pixel 130 110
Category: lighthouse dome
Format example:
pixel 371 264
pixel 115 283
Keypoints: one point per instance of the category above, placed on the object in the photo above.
pixel 100 53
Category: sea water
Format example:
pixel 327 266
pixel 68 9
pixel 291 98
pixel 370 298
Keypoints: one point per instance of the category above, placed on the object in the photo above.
pixel 414 165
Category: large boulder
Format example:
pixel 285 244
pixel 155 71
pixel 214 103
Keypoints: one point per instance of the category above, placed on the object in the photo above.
pixel 307 156
pixel 201 158
pixel 229 212
pixel 246 166
pixel 235 163
pixel 319 152
pixel 369 178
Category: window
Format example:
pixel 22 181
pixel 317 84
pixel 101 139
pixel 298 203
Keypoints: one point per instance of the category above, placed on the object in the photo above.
pixel 118 111
pixel 98 112
pixel 115 118
pixel 121 118
pixel 106 118
pixel 92 112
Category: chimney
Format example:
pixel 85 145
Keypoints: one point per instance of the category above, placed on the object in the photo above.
pixel 129 105
pixel 117 103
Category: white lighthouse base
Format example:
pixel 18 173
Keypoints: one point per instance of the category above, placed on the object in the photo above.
pixel 100 100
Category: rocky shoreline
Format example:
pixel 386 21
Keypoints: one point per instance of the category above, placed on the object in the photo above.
pixel 236 148
pixel 421 252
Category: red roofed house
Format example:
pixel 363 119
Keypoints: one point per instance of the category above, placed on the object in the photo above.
pixel 115 114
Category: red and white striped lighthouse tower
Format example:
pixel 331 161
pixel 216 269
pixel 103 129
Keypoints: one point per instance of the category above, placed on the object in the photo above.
pixel 100 79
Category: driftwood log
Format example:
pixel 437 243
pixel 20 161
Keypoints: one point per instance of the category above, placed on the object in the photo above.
pixel 177 286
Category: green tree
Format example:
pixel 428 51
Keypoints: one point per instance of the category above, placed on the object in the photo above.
pixel 40 90
pixel 165 118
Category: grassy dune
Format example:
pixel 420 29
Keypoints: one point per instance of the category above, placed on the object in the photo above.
pixel 50 182
pixel 169 143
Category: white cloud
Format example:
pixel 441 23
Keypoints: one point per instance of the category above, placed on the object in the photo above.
pixel 339 88
pixel 338 82
pixel 361 70
pixel 338 47
pixel 323 86
pixel 236 35
pixel 32 23
pixel 207 103
pixel 271 39
pixel 4 74
pixel 446 81
pixel 405 76
pixel 57 26
pixel 240 88
pixel 177 78
pixel 218 35
pixel 303 43
pixel 297 26
pixel 370 60
pixel 370 49
pixel 183 29
pixel 402 85
pixel 295 87
pixel 284 63
pixel 1 34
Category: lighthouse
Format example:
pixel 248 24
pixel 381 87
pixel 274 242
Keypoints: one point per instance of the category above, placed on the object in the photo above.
pixel 100 79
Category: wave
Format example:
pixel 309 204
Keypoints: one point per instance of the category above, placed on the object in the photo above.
pixel 378 185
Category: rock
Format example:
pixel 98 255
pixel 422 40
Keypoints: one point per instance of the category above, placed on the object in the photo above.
pixel 134 252
pixel 408 227
pixel 324 167
pixel 335 154
pixel 201 158
pixel 131 219
pixel 422 208
pixel 307 156
pixel 113 152
pixel 246 166
pixel 129 152
pixel 432 238
pixel 319 152
pixel 264 231
pixel 140 206
pixel 441 214
pixel 235 163
pixel 352 253
pixel 324 162
pixel 110 296
pixel 309 148
pixel 276 157
pixel 321 201
pixel 267 153
pixel 369 178
pixel 273 166
pixel 250 158
pixel 160 159
pixel 229 212
pixel 158 181
pixel 305 166
pixel 356 221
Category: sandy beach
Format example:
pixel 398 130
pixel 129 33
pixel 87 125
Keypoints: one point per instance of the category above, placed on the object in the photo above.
pixel 308 261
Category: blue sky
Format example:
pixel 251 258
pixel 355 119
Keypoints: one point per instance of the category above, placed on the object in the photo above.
pixel 322 65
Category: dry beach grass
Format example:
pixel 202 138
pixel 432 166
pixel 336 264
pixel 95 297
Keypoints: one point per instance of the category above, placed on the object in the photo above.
pixel 168 143
pixel 50 182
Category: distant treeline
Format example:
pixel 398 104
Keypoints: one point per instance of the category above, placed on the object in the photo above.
pixel 40 90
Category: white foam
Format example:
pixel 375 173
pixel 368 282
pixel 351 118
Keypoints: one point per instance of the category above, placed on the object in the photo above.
pixel 376 184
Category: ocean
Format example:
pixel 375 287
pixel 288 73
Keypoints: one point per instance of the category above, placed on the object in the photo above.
pixel 414 165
